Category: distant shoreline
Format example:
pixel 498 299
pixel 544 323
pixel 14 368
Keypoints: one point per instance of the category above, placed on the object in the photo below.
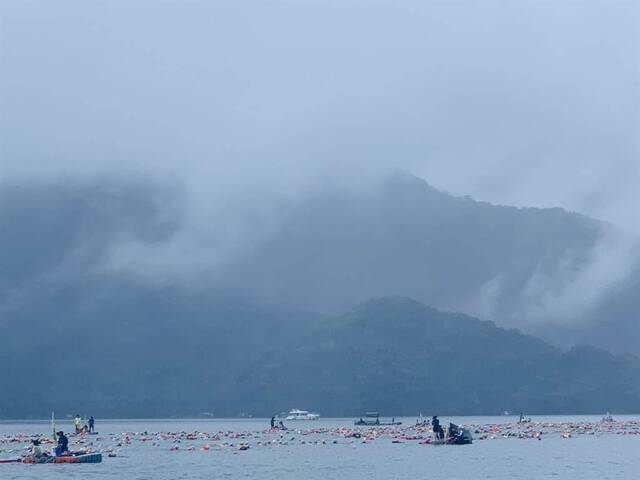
pixel 294 422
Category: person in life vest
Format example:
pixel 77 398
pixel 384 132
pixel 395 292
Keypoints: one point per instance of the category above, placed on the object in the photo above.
pixel 77 421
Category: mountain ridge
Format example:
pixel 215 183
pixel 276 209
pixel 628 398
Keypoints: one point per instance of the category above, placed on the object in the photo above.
pixel 391 354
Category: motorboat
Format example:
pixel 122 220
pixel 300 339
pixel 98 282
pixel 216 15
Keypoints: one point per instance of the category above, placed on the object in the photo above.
pixel 454 435
pixel 457 435
pixel 296 414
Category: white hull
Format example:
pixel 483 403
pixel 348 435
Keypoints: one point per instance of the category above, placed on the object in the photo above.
pixel 311 416
pixel 301 415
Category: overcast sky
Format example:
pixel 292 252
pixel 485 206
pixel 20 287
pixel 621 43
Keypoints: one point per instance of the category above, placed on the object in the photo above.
pixel 519 102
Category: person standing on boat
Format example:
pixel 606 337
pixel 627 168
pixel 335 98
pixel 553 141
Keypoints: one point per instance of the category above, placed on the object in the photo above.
pixel 63 444
pixel 273 422
pixel 437 428
pixel 92 423
pixel 77 421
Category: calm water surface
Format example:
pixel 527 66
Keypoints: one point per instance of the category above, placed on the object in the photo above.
pixel 584 457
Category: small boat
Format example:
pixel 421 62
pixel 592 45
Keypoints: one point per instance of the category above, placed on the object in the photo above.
pixel 422 421
pixel 524 419
pixel 371 419
pixel 458 435
pixel 392 422
pixel 454 435
pixel 296 414
pixel 83 458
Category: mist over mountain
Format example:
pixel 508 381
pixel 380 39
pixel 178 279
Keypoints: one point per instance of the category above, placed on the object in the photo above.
pixel 262 328
pixel 554 273
pixel 558 274
pixel 52 231
pixel 405 237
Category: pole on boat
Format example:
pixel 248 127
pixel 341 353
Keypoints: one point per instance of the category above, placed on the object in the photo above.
pixel 53 425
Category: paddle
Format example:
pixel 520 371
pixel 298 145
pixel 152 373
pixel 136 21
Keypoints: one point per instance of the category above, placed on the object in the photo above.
pixel 17 460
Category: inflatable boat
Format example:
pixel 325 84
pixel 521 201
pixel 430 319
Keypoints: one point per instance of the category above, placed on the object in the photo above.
pixel 84 458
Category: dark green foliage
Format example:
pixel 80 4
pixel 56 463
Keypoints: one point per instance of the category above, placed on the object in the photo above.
pixel 390 354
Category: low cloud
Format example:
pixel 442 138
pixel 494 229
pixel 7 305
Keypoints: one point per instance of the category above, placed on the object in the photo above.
pixel 251 107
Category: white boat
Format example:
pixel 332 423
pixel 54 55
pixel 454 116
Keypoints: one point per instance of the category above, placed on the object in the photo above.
pixel 296 414
pixel 607 418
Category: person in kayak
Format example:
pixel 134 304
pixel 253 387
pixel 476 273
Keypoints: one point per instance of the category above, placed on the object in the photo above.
pixel 437 428
pixel 36 451
pixel 35 454
pixel 63 444
pixel 77 421
pixel 92 423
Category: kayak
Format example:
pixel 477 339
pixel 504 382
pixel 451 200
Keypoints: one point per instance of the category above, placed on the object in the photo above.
pixel 85 458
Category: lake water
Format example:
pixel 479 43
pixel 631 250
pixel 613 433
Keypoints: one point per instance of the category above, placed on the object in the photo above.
pixel 320 450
